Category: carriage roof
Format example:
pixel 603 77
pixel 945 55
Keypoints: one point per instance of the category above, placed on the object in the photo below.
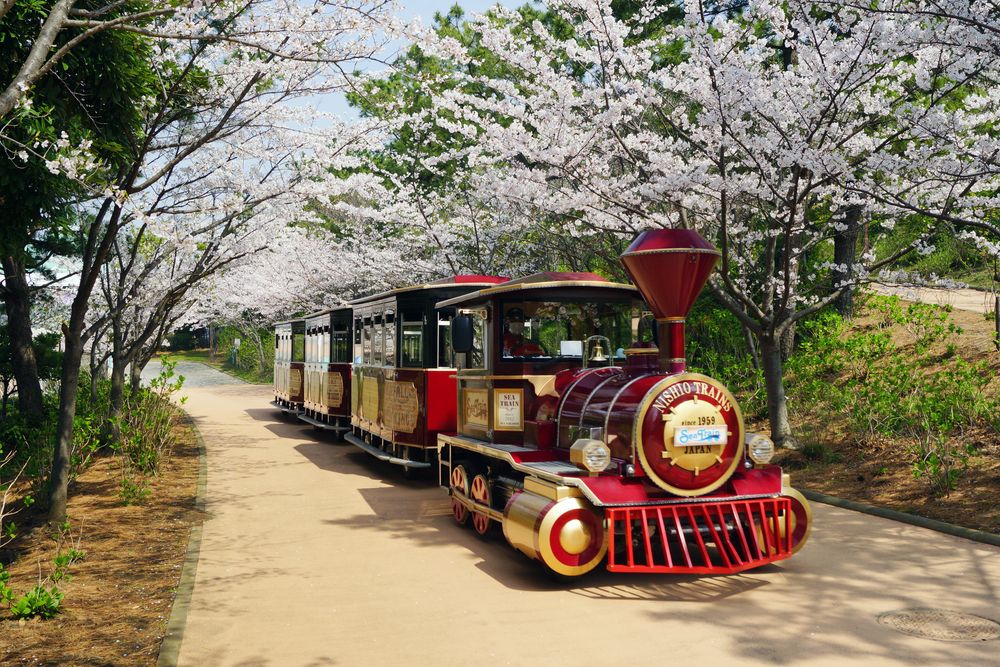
pixel 579 281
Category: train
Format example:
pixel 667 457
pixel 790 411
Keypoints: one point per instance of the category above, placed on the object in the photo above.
pixel 556 409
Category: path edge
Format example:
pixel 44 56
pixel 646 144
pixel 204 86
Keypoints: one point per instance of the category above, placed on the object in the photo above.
pixel 912 519
pixel 170 646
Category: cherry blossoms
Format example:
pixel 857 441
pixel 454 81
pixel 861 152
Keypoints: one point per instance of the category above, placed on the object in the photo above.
pixel 779 131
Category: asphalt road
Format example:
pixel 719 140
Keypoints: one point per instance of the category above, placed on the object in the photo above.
pixel 314 553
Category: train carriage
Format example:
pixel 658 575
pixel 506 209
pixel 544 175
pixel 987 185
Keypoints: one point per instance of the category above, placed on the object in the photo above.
pixel 328 350
pixel 289 365
pixel 403 385
pixel 587 444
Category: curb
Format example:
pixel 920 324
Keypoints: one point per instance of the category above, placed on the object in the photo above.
pixel 903 517
pixel 170 647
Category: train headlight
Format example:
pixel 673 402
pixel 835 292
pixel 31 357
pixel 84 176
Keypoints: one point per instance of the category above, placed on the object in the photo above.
pixel 760 448
pixel 591 455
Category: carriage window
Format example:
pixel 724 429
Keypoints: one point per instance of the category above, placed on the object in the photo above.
pixel 477 357
pixel 325 350
pixel 446 356
pixel 367 342
pixel 359 354
pixel 339 347
pixel 412 344
pixel 378 338
pixel 389 358
pixel 298 346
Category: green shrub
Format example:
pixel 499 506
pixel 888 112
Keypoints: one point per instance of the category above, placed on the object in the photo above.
pixel 39 601
pixel 895 391
pixel 133 489
pixel 716 346
pixel 815 451
pixel 146 421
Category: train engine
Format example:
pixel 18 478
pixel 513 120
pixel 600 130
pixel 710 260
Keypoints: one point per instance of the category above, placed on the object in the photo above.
pixel 588 445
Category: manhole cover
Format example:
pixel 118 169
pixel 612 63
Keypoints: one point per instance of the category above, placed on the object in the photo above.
pixel 941 624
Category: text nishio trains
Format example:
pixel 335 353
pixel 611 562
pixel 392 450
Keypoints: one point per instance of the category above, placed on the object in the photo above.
pixel 558 407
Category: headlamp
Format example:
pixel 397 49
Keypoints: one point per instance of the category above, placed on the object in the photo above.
pixel 760 448
pixel 591 455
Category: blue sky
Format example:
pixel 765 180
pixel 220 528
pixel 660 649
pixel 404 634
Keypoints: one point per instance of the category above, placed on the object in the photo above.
pixel 425 10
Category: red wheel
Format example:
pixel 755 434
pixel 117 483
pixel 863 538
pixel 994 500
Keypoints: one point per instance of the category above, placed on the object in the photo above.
pixel 481 494
pixel 459 485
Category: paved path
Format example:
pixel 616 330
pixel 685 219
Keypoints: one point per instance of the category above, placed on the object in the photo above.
pixel 964 299
pixel 316 554
pixel 196 374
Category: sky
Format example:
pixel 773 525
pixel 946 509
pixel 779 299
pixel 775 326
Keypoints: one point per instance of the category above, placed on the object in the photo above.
pixel 412 9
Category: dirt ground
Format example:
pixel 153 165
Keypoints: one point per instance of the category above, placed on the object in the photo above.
pixel 879 471
pixel 119 598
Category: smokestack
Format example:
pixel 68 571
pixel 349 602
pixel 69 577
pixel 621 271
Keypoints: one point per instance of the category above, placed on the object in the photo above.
pixel 670 267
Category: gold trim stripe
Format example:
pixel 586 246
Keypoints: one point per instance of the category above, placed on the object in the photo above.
pixel 674 251
pixel 505 287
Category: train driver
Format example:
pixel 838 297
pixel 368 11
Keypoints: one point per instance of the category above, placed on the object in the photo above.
pixel 514 342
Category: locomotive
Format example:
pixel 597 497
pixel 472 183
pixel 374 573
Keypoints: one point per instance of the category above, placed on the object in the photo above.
pixel 549 414
pixel 587 446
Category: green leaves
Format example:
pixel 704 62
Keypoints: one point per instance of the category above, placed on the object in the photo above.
pixel 39 601
pixel 901 379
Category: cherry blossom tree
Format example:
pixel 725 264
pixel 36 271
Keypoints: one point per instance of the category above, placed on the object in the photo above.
pixel 771 129
pixel 228 149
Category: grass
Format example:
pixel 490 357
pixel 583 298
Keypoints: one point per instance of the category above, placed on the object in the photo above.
pixel 222 363
pixel 979 278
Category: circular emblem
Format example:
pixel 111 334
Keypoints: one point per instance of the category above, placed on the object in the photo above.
pixel 689 434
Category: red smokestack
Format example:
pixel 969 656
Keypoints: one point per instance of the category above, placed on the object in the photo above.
pixel 670 267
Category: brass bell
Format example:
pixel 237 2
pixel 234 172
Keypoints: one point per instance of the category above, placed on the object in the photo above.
pixel 598 353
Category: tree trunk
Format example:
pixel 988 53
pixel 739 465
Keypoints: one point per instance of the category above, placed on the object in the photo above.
pixel 777 404
pixel 117 388
pixel 59 475
pixel 751 346
pixel 845 247
pixel 996 320
pixel 788 339
pixel 94 369
pixel 135 373
pixel 17 303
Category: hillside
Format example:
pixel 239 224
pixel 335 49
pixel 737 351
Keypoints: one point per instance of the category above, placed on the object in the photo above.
pixel 942 421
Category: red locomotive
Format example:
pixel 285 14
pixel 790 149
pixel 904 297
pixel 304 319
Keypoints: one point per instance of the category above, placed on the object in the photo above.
pixel 584 443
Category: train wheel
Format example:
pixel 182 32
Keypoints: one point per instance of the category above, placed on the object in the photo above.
pixel 480 492
pixel 459 484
